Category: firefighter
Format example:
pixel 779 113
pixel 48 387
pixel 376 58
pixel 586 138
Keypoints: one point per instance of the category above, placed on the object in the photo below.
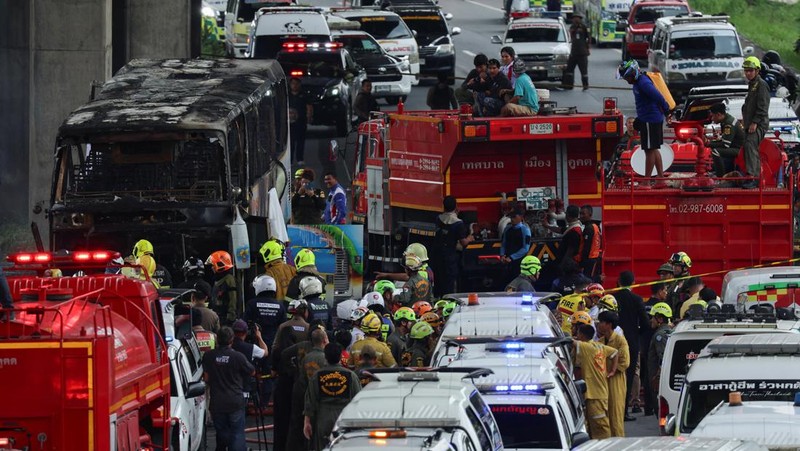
pixel 417 250
pixel 607 321
pixel 404 319
pixel 329 391
pixel 528 274
pixel 274 254
pixel 374 302
pixel 448 310
pixel 681 264
pixel 660 315
pixel 311 361
pixel 193 271
pixel 435 321
pixel 224 299
pixel 200 296
pixel 418 288
pixel 311 290
pixel 386 289
pixel 578 318
pixel 591 239
pixel 725 147
pixel 143 253
pixel 305 262
pixel 371 325
pixel 368 361
pixel 421 307
pixel 592 357
pixel 422 343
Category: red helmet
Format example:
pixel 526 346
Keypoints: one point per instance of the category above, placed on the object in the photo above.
pixel 421 308
pixel 594 292
pixel 220 261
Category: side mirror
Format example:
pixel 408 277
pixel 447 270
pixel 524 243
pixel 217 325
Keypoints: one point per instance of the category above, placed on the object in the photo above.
pixel 448 16
pixel 579 438
pixel 496 40
pixel 414 32
pixel 239 20
pixel 749 50
pixel 669 428
pixel 456 30
pixel 196 389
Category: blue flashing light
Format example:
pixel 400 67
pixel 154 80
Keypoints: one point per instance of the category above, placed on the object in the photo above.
pixel 501 387
pixel 517 387
pixel 531 387
pixel 513 346
pixel 527 299
pixel 797 399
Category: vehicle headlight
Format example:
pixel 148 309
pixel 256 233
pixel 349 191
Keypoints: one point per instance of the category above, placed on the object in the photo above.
pixel 738 73
pixel 561 57
pixel 333 91
pixel 675 76
pixel 241 38
pixel 444 49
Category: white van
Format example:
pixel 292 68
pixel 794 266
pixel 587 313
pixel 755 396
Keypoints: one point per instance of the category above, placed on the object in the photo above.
pixel 239 16
pixel 390 31
pixel 690 337
pixel 696 51
pixel 778 286
pixel 273 27
pixel 762 367
pixel 665 443
pixel 774 424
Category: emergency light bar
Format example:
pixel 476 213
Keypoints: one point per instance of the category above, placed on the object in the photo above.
pixel 377 423
pixel 387 434
pixel 506 341
pixel 301 46
pixel 527 387
pixel 755 344
pixel 33 258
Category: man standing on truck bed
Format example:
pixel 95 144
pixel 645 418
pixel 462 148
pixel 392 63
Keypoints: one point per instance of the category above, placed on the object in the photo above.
pixel 755 118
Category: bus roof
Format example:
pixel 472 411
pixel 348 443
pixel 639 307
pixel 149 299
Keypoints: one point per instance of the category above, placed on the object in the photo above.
pixel 173 94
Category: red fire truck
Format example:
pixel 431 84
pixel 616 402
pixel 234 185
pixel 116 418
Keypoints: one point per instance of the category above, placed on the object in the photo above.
pixel 82 363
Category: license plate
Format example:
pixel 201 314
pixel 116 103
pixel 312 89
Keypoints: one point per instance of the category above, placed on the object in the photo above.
pixel 541 129
pixel 422 60
pixel 382 88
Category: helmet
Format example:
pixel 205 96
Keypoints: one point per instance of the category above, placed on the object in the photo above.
pixel 297 304
pixel 417 249
pixel 421 330
pixel 142 247
pixel 608 302
pixel 440 304
pixel 431 318
pixel 412 262
pixel 220 261
pixel 372 298
pixel 405 313
pixel 304 258
pixel 581 317
pixel 666 267
pixel 272 250
pixel 449 309
pixel 421 308
pixel 345 308
pixel 193 266
pixel 382 285
pixel 299 173
pixel 358 313
pixel 751 62
pixel 264 283
pixel 371 323
pixel 680 258
pixel 310 286
pixel 661 308
pixel 519 66
pixel 628 68
pixel 530 265
pixel 595 291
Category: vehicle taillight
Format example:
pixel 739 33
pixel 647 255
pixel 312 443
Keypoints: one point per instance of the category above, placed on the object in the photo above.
pixel 6 442
pixel 474 131
pixel 605 127
pixel 663 410
pixel 684 133
pixel 609 105
pixel 28 257
pixel 296 73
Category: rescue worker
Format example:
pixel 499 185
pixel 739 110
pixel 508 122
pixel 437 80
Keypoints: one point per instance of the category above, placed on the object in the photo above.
pixel 386 289
pixel 453 235
pixel 417 288
pixel 308 363
pixel 725 147
pixel 268 313
pixel 330 389
pixel 290 333
pixel 578 318
pixel 404 319
pixel 307 203
pixel 336 205
pixel 225 371
pixel 571 246
pixel 528 274
pixel 421 307
pixel 224 298
pixel 592 242
pixel 143 253
pixel 592 357
pixel 294 330
pixel 414 249
pixel 274 254
pixel 665 271
pixel 162 276
pixel 356 317
pixel 374 302
pixel 310 290
pixel 617 400
pixel 434 321
pixel 448 310
pixel 371 325
pixel 755 118
pixel 515 243
pixel 200 295
pixel 660 315
pixel 676 293
pixel 206 340
pixel 193 271
pixel 579 53
pixel 422 343
pixel 305 263
pixel 368 361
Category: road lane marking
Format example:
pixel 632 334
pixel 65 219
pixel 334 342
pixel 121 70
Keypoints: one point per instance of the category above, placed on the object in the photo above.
pixel 468 53
pixel 484 6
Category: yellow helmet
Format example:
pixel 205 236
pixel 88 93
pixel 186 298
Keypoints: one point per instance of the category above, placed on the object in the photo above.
pixel 371 323
pixel 305 258
pixel 299 173
pixel 751 62
pixel 581 317
pixel 530 265
pixel 681 258
pixel 142 247
pixel 272 250
pixel 661 308
pixel 608 302
pixel 417 250
pixel 420 330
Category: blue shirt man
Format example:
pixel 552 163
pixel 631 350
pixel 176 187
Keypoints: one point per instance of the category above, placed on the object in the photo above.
pixel 525 101
pixel 336 204
pixel 516 240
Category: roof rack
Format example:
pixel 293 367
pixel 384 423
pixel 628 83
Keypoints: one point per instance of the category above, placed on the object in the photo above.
pixel 468 340
pixel 699 19
pixel 755 344
pixel 289 9
pixel 471 372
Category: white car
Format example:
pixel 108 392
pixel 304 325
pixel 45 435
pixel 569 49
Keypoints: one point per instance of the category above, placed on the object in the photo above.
pixel 543 43
pixel 774 424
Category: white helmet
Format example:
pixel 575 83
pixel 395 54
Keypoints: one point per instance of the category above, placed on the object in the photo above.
pixel 263 283
pixel 345 308
pixel 373 298
pixel 310 286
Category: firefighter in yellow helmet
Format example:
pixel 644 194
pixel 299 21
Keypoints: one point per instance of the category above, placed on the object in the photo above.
pixel 371 325
pixel 417 250
pixel 143 256
pixel 275 266
pixel 305 263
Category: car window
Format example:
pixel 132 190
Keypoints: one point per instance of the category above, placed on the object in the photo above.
pixel 483 438
pixel 540 33
pixel 649 14
pixel 426 24
pixel 360 45
pixel 384 27
pixel 573 397
pixel 700 44
pixel 684 352
pixel 485 415
pixel 312 64
pixel 527 426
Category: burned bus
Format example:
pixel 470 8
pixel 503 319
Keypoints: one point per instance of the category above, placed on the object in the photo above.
pixel 167 150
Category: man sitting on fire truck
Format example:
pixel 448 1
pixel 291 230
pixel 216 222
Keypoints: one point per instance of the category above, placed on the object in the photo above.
pixel 525 101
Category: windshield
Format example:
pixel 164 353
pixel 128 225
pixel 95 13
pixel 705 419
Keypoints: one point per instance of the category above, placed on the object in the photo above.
pixel 527 426
pixel 683 354
pixel 700 44
pixel 360 45
pixel 267 46
pixel 538 34
pixel 247 9
pixel 311 64
pixel 426 24
pixel 649 14
pixel 384 27
pixel 702 396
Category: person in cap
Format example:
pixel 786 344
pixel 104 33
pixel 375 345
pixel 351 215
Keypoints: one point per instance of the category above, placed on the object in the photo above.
pixel 525 101
pixel 201 292
pixel 515 243
pixel 665 271
pixel 579 53
pixel 252 351
pixel 660 315
pixel 528 273
pixel 726 146
pixel 305 263
pixel 274 254
pixel 755 118
pixel 307 203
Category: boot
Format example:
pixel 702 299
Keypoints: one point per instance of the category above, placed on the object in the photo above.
pixel 585 82
pixel 568 80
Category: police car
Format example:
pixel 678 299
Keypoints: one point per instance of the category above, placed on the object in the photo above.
pixel 418 410
pixel 543 43
pixel 690 337
pixel 668 443
pixel 762 367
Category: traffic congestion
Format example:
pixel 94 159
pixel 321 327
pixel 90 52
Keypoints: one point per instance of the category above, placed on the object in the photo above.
pixel 411 225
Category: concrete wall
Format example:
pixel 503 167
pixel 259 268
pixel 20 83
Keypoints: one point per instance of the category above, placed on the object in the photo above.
pixel 159 29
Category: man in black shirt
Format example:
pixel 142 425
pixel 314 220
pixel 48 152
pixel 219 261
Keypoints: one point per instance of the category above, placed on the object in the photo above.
pixel 633 320
pixel 300 114
pixel 365 103
pixel 452 234
pixel 226 370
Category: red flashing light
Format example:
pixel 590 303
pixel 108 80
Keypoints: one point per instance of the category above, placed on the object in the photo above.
pixel 101 255
pixel 684 133
pixel 27 258
pixel 302 46
pixel 82 256
pixel 296 73
pixel 42 257
pixel 6 442
pixel 92 256
pixel 24 258
pixel 609 105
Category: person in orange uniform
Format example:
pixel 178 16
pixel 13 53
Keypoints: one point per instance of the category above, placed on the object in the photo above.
pixel 592 357
pixel 607 321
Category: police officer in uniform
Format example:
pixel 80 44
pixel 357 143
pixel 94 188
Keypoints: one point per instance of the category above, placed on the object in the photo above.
pixel 528 273
pixel 311 360
pixel 755 118
pixel 579 54
pixel 311 289
pixel 330 389
pixel 660 315
pixel 265 311
pixel 726 148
